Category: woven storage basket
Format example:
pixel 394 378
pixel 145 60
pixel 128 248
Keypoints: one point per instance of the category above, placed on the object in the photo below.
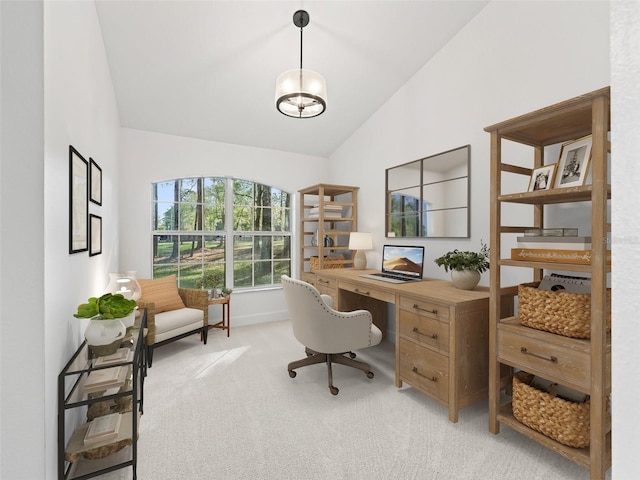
pixel 567 314
pixel 564 421
pixel 329 262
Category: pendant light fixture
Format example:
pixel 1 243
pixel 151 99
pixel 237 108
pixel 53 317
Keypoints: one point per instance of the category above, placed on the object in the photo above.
pixel 301 93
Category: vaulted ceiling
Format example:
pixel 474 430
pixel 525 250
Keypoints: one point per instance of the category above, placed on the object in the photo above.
pixel 207 68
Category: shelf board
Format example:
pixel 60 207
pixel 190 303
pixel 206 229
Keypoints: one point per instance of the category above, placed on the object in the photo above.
pixel 558 195
pixel 573 267
pixel 581 456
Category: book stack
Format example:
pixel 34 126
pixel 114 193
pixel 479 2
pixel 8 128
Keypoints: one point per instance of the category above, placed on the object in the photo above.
pixel 103 429
pixel 105 379
pixel 565 283
pixel 562 245
pixel 329 211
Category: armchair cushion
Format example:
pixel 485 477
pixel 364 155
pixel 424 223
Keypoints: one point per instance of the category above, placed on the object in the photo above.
pixel 163 292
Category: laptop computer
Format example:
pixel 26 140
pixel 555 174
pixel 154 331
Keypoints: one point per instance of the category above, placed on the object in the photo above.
pixel 400 264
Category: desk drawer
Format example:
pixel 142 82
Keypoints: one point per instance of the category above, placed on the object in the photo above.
pixel 326 283
pixel 548 359
pixel 424 369
pixel 426 308
pixel 368 291
pixel 425 330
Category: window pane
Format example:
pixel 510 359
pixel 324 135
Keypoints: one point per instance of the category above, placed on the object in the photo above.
pixel 165 248
pixel 166 191
pixel 189 274
pixel 214 249
pixel 281 247
pixel 281 268
pixel 261 248
pixel 243 247
pixel 262 220
pixel 160 271
pixel 242 219
pixel 165 217
pixel 242 274
pixel 242 192
pixel 262 273
pixel 191 249
pixel 189 190
pixel 187 217
pixel 214 191
pixel 213 218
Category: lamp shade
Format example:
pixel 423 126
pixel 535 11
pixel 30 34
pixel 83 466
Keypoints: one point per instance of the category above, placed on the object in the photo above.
pixel 360 241
pixel 301 93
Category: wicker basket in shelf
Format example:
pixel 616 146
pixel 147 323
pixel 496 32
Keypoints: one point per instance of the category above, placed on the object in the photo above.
pixel 563 313
pixel 564 421
pixel 328 262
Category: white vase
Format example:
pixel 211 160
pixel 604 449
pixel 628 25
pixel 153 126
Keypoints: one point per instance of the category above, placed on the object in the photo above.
pixel 104 335
pixel 465 279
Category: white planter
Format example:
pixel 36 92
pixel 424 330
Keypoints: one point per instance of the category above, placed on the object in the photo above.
pixel 104 336
pixel 465 279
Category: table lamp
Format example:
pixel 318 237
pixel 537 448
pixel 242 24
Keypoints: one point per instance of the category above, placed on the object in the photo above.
pixel 360 241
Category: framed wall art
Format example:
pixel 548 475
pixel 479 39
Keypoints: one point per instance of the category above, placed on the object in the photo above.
pixel 78 202
pixel 573 164
pixel 542 178
pixel 95 235
pixel 95 182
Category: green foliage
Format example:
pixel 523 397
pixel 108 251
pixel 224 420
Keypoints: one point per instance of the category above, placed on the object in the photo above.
pixel 226 291
pixel 457 260
pixel 108 306
pixel 209 280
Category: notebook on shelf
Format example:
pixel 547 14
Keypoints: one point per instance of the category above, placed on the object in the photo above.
pixel 400 264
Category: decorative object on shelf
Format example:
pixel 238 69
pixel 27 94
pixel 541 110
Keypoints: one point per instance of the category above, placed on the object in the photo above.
pixel 542 178
pixel 360 241
pixel 78 202
pixel 226 291
pixel 573 163
pixel 125 284
pixel 334 261
pixel 466 266
pixel 301 93
pixel 105 330
pixel 209 281
pixel 95 235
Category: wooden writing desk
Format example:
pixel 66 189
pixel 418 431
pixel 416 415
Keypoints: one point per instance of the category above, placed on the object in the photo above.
pixel 441 332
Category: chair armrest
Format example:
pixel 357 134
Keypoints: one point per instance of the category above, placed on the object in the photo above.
pixel 196 298
pixel 151 320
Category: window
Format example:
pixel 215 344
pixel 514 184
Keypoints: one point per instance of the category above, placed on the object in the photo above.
pixel 191 233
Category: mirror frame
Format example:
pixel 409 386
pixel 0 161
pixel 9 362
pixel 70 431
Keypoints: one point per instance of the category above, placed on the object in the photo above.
pixel 434 163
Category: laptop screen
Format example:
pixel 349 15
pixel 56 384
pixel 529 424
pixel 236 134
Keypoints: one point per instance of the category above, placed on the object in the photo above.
pixel 400 259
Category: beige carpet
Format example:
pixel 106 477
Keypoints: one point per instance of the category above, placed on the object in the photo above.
pixel 229 410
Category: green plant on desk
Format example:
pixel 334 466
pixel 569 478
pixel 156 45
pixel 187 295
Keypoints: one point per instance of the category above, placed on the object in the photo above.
pixel 465 260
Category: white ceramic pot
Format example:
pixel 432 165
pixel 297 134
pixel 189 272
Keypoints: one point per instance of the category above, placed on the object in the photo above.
pixel 465 279
pixel 104 335
pixel 129 320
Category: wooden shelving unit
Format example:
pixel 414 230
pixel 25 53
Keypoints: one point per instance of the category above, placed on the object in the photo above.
pixel 582 364
pixel 313 231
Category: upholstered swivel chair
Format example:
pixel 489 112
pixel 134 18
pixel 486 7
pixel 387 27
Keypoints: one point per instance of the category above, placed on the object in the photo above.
pixel 329 336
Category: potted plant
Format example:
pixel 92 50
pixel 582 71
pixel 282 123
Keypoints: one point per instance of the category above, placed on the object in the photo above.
pixel 226 291
pixel 465 266
pixel 105 330
pixel 209 281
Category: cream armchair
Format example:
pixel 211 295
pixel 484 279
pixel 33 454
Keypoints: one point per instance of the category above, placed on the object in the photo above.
pixel 329 336
pixel 172 312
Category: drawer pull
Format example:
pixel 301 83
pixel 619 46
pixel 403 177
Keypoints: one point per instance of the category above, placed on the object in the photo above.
pixel 551 359
pixel 323 281
pixel 357 290
pixel 430 335
pixel 415 370
pixel 417 307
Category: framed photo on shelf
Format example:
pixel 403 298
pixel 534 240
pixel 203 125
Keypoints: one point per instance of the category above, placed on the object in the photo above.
pixel 95 223
pixel 78 202
pixel 542 178
pixel 95 182
pixel 573 164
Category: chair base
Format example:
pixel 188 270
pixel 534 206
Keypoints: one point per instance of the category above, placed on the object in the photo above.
pixel 329 358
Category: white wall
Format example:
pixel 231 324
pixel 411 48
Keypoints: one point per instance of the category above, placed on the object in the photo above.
pixel 513 57
pixel 625 125
pixel 22 337
pixel 152 157
pixel 80 110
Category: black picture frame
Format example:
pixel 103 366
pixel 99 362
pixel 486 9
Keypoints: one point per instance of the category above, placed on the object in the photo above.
pixel 95 235
pixel 78 202
pixel 95 182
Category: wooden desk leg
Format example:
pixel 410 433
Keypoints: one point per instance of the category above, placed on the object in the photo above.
pixel 228 317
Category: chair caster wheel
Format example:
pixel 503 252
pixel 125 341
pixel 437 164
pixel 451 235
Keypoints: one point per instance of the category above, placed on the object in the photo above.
pixel 333 390
pixel 352 355
pixel 369 374
pixel 292 374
